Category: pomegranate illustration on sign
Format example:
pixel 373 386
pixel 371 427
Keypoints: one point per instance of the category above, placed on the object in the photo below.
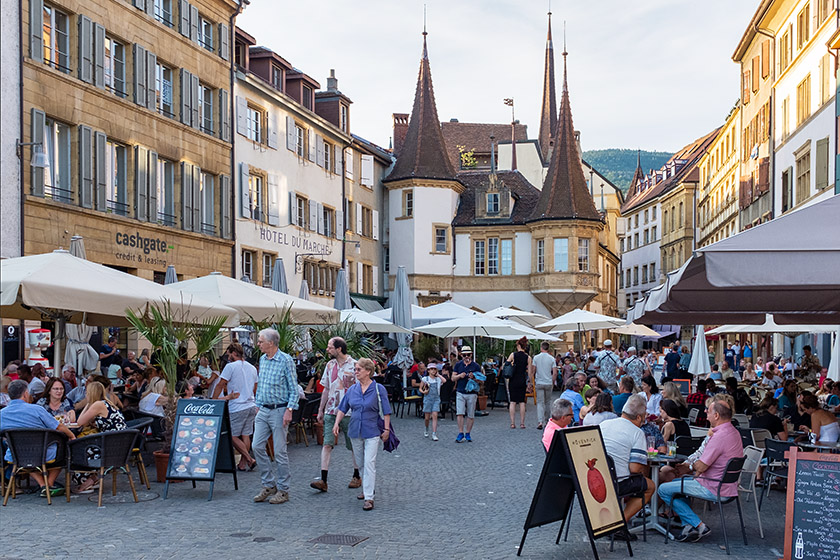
pixel 595 481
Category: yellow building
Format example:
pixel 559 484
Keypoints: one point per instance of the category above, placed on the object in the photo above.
pixel 717 199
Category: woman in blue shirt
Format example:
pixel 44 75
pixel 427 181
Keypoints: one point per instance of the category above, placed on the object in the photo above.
pixel 366 400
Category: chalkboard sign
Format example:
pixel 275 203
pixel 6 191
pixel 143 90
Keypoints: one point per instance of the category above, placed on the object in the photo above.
pixel 813 506
pixel 684 385
pixel 201 443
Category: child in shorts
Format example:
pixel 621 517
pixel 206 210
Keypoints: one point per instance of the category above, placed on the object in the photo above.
pixel 430 388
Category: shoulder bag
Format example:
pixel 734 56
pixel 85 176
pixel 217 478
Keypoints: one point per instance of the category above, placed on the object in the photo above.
pixel 393 441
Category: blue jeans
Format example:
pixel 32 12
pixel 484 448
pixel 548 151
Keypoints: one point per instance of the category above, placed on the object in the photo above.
pixel 270 423
pixel 681 506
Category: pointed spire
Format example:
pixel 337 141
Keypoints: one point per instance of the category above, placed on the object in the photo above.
pixel 423 153
pixel 638 176
pixel 565 194
pixel 548 118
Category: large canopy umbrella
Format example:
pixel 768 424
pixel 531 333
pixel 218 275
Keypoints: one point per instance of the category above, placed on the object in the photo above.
pixel 527 318
pixel 771 327
pixel 699 364
pixel 636 330
pixel 433 314
pixel 79 352
pixel 304 341
pixel 401 316
pixel 580 320
pixel 476 325
pixel 278 277
pixel 342 291
pixel 171 276
pixel 366 322
pixel 255 301
pixel 730 281
pixel 527 331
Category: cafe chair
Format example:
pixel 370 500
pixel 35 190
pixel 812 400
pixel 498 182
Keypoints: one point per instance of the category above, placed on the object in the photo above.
pixel 732 474
pixel 640 494
pixel 447 402
pixel 310 413
pixel 692 416
pixel 746 437
pixel 136 454
pixel 777 464
pixel 742 419
pixel 100 452
pixel 759 435
pixel 686 445
pixel 749 474
pixel 297 423
pixel 29 455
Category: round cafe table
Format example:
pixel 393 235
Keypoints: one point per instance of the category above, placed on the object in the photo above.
pixel 655 464
pixel 830 447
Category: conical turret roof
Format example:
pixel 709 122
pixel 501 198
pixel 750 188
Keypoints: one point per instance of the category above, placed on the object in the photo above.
pixel 548 116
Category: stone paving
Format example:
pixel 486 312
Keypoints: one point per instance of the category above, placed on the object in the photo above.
pixel 434 499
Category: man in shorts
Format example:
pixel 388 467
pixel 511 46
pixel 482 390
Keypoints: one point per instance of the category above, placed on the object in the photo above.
pixel 339 375
pixel 464 400
pixel 239 381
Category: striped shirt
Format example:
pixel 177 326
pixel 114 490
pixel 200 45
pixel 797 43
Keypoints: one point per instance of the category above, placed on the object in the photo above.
pixel 277 382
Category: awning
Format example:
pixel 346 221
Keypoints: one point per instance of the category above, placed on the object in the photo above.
pixel 366 304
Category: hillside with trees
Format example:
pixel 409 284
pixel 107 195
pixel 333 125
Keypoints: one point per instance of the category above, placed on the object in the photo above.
pixel 618 165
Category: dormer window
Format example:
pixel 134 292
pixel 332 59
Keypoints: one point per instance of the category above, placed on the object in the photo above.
pixel 277 78
pixel 492 203
pixel 343 118
pixel 307 97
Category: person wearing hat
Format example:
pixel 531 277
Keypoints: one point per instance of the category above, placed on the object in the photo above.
pixel 465 400
pixel 430 388
pixel 606 366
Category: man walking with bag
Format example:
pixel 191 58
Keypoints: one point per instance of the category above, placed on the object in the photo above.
pixel 545 375
pixel 466 393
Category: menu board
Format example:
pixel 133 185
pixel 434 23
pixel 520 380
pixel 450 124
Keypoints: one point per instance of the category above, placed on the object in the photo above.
pixel 813 506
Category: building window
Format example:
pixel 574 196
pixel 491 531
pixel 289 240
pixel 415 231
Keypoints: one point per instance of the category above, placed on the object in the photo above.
pixel 653 213
pixel 57 182
pixel 492 203
pixel 328 150
pixel 441 238
pixel 166 192
pixel 205 37
pixel 205 106
pixel 386 258
pixel 208 224
pixel 803 100
pixel 367 279
pixel 627 281
pixel 343 118
pixel 479 258
pixel 248 264
pixel 115 66
pixel 540 255
pixel 652 272
pixel 307 97
pixel 321 277
pixel 163 12
pixel 300 203
pixel 636 239
pixel 681 222
pixel 507 256
pixel 826 67
pixel 636 220
pixel 329 221
pixel 803 176
pixel 646 216
pixel 644 274
pixel 300 141
pixel 647 236
pixel 367 221
pixel 665 222
pixel 803 23
pixel 408 203
pixel 115 178
pixel 493 256
pixel 653 233
pixel 561 254
pixel 635 275
pixel 163 90
pixel 56 39
pixel 784 51
pixel 277 78
pixel 255 194
pixel 621 245
pixel 267 269
pixel 583 255
pixel 253 123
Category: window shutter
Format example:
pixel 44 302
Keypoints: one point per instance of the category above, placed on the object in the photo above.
pixel 360 280
pixel 196 116
pixel 100 186
pixel 375 280
pixel 291 135
pixel 196 199
pixel 337 159
pixel 224 116
pixel 348 163
pixel 244 194
pixel 151 70
pixel 292 208
pixel 273 124
pixel 319 150
pixel 319 210
pixel 339 224
pixel 765 58
pixel 756 69
pixel 153 186
pixel 85 166
pixel 141 4
pixel 139 75
pixel 186 108
pixel 375 225
pixel 36 30
pixel 273 200
pixel 822 164
pixel 358 218
pixel 85 39
pixel 141 186
pixel 194 23
pixel 224 41
pixel 311 146
pixel 241 115
pixel 367 170
pixel 224 206
pixel 313 215
pixel 150 8
pixel 186 196
pixel 99 56
pixel 184 18
pixel 37 123
pixel 746 87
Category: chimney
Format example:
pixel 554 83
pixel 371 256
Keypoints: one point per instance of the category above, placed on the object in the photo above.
pixel 400 130
pixel 332 81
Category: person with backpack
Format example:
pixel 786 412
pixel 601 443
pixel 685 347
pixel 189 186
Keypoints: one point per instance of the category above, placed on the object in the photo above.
pixel 634 366
pixel 606 366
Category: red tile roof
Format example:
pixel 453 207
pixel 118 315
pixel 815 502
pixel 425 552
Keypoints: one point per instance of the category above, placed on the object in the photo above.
pixel 476 137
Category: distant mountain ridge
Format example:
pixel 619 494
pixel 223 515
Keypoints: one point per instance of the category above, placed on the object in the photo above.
pixel 619 164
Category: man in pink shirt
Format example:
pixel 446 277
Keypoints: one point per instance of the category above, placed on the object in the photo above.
pixel 561 417
pixel 724 444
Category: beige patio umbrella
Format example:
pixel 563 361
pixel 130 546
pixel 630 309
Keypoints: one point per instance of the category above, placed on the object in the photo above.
pixel 635 330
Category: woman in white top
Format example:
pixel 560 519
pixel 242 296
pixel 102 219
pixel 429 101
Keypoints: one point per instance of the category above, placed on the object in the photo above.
pixel 759 366
pixel 652 394
pixel 823 423
pixel 601 410
pixel 154 397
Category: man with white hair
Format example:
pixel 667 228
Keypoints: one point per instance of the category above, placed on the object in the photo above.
pixel 626 444
pixel 277 396
pixel 606 366
pixel 634 366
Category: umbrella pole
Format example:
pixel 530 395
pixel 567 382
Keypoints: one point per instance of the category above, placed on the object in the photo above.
pixel 59 327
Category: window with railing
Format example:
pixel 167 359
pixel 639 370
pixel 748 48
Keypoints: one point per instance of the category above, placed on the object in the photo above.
pixel 116 189
pixel 208 199
pixel 56 36
pixel 205 33
pixel 115 67
pixel 57 180
pixel 205 107
pixel 163 90
pixel 163 12
pixel 166 192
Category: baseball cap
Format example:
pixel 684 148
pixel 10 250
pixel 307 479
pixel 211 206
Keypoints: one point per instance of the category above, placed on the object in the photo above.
pixel 608 342
pixel 433 365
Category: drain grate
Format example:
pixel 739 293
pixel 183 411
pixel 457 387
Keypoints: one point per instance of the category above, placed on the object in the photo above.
pixel 350 540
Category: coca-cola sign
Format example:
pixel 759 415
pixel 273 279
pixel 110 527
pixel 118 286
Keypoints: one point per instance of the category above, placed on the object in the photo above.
pixel 200 409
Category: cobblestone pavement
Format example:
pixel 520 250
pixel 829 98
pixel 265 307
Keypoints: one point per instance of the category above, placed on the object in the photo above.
pixel 433 500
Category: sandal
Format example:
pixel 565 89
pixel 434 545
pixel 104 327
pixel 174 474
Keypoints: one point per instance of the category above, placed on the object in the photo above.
pixel 513 426
pixel 522 426
pixel 368 505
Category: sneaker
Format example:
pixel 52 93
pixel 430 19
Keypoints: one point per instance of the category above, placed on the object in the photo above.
pixel 265 493
pixel 460 438
pixel 355 482
pixel 467 438
pixel 280 497
pixel 688 533
pixel 319 485
pixel 426 432
pixel 53 491
pixel 701 532
pixel 624 535
pixel 434 436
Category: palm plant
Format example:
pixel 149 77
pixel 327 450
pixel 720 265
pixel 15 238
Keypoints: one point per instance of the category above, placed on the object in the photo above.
pixel 358 345
pixel 281 322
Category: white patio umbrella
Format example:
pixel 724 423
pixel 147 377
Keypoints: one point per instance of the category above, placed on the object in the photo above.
pixel 834 365
pixel 278 277
pixel 527 318
pixel 771 327
pixel 304 341
pixel 526 331
pixel 433 314
pixel 580 320
pixel 366 322
pixel 171 276
pixel 342 291
pixel 473 326
pixel 699 364
pixel 401 316
pixel 636 330
pixel 78 351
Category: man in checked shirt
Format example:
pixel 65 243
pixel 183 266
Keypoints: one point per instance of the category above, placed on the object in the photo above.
pixel 277 396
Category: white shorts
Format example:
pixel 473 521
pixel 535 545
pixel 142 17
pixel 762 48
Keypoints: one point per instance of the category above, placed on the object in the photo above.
pixel 465 404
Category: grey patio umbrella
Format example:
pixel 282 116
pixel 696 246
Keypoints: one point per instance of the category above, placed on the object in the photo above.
pixel 304 290
pixel 171 276
pixel 278 277
pixel 77 247
pixel 79 352
pixel 342 291
pixel 304 341
pixel 401 316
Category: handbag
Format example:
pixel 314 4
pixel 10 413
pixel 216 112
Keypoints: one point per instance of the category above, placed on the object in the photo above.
pixel 507 370
pixel 393 441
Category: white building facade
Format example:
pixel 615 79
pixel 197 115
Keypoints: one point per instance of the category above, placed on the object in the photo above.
pixel 10 131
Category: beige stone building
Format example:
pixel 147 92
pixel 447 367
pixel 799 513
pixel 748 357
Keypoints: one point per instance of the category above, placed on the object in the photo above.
pixel 717 199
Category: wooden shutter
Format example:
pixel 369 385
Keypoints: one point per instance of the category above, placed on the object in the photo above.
pixel 186 196
pixel 184 18
pixel 141 4
pixel 36 30
pixel 185 79
pixel 746 84
pixel 224 206
pixel 293 208
pixel 196 198
pixel 241 115
pixel 765 59
pixel 822 164
pixel 375 275
pixel 100 185
pixel 85 40
pixel 85 166
pixel 756 64
pixel 141 185
pixel 196 110
pixel 337 159
pixel 375 224
pixel 367 170
pixel 273 200
pixel 339 224
pixel 244 193
pixel 311 146
pixel 99 56
pixel 291 134
pixel 359 218
pixel 194 23
pixel 319 211
pixel 139 75
pixel 360 277
pixel 348 163
pixel 224 41
pixel 37 122
pixel 273 125
pixel 151 69
pixel 224 116
pixel 153 186
pixel 319 150
pixel 313 215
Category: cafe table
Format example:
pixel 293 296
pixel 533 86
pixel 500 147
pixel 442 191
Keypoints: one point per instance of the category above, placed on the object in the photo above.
pixel 657 462
pixel 831 447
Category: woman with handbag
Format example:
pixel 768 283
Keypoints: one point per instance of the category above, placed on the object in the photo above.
pixel 368 401
pixel 518 384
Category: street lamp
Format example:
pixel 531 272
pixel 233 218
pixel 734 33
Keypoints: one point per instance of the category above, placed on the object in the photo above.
pixel 39 158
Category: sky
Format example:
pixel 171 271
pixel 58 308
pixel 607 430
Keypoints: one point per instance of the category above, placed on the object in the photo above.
pixel 648 74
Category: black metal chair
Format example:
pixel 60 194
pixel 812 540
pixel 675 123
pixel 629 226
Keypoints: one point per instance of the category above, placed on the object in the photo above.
pixel 97 453
pixel 29 449
pixel 447 403
pixel 777 464
pixel 297 422
pixel 746 437
pixel 731 475
pixel 640 494
pixel 309 414
pixel 686 445
pixel 140 424
pixel 156 426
